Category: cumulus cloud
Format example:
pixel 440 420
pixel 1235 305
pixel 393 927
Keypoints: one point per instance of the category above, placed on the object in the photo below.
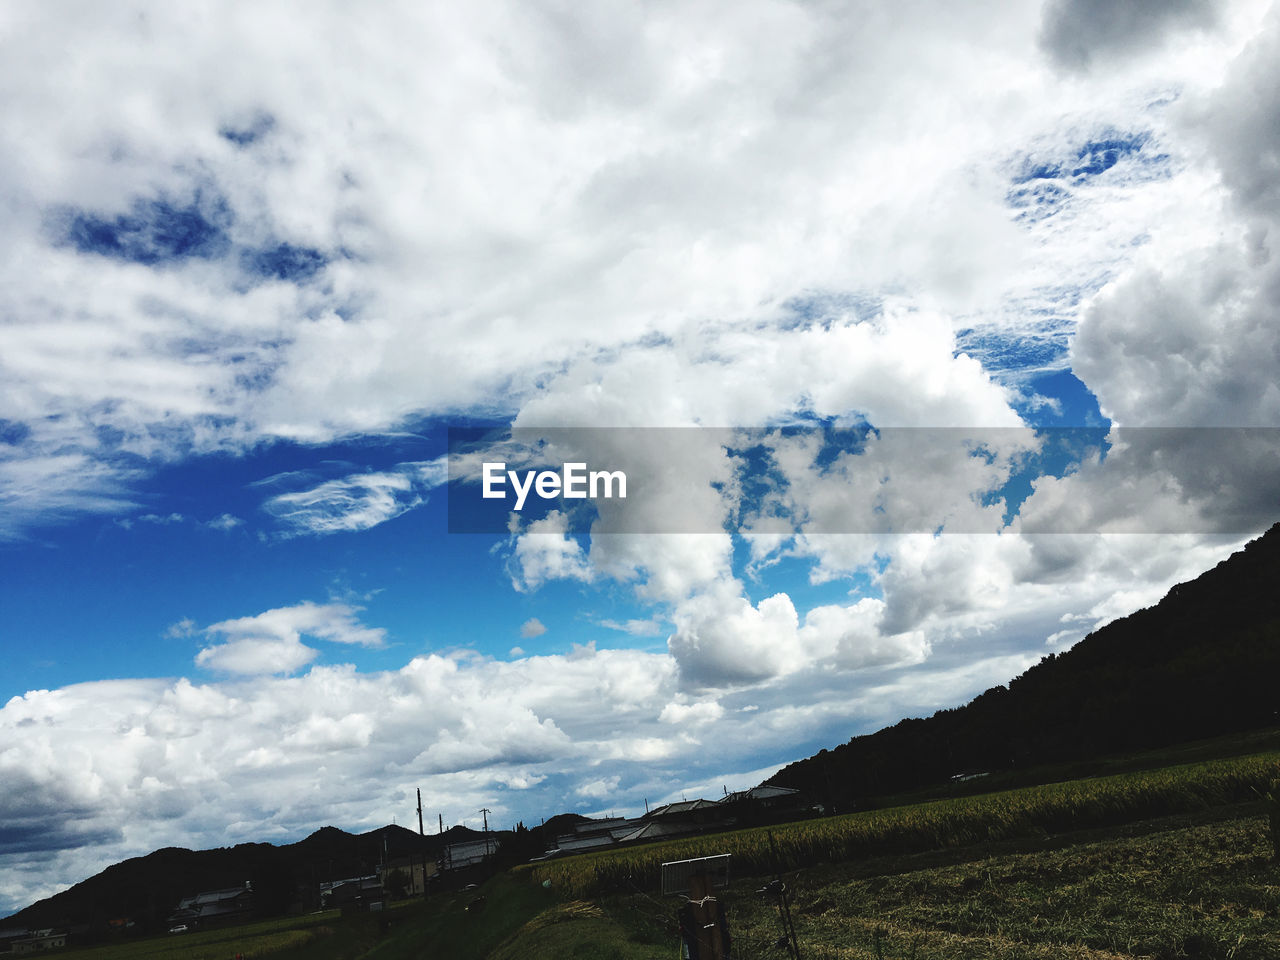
pixel 701 711
pixel 271 642
pixel 543 551
pixel 722 638
pixel 252 655
pixel 533 627
pixel 852 636
pixel 1181 340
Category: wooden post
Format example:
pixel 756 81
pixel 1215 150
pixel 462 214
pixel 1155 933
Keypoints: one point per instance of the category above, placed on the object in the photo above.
pixel 1274 797
pixel 703 923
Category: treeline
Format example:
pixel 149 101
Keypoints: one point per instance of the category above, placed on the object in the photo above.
pixel 1203 662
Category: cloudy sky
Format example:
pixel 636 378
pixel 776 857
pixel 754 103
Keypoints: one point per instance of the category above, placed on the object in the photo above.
pixel 956 322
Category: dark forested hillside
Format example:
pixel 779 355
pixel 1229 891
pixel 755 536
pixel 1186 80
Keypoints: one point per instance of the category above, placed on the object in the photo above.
pixel 1204 661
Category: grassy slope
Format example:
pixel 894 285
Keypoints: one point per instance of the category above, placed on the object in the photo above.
pixel 1171 889
pixel 1208 890
pixel 1027 812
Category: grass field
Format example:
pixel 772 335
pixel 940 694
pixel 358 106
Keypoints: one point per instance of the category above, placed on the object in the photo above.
pixel 1208 891
pixel 1030 811
pixel 272 937
pixel 316 936
pixel 1176 890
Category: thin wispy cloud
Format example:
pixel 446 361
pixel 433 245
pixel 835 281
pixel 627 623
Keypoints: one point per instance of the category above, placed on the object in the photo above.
pixel 356 502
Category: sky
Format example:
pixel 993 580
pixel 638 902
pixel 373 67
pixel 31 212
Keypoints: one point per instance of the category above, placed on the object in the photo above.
pixel 928 336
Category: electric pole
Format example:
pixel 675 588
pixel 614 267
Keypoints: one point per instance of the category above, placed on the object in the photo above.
pixel 422 845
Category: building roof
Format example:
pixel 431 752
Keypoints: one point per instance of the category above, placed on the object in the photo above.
pixel 759 793
pixel 654 831
pixel 209 897
pixel 681 807
pixel 594 826
pixel 569 844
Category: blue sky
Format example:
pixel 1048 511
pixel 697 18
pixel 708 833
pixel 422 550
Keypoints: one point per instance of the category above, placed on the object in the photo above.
pixel 903 289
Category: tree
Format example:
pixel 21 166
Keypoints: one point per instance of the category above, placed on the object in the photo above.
pixel 397 884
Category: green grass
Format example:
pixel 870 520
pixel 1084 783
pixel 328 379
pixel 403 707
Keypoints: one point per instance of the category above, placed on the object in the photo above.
pixel 446 928
pixel 1027 812
pixel 1207 891
pixel 517 920
pixel 583 931
pixel 277 938
pixel 1176 888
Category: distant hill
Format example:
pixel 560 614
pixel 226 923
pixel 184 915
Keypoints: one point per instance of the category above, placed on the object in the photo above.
pixel 146 889
pixel 1203 662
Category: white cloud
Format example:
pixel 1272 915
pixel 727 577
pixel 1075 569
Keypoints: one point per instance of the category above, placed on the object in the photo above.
pixel 721 637
pixel 255 655
pixel 853 637
pixel 183 628
pixel 637 628
pixel 599 789
pixel 609 180
pixel 544 552
pixel 702 711
pixel 225 522
pixel 271 642
pixel 533 627
pixel 357 502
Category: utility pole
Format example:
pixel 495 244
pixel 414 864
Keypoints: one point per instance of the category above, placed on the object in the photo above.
pixel 382 869
pixel 422 845
pixel 486 811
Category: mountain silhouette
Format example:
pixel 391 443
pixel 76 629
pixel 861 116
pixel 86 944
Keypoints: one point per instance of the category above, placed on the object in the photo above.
pixel 146 889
